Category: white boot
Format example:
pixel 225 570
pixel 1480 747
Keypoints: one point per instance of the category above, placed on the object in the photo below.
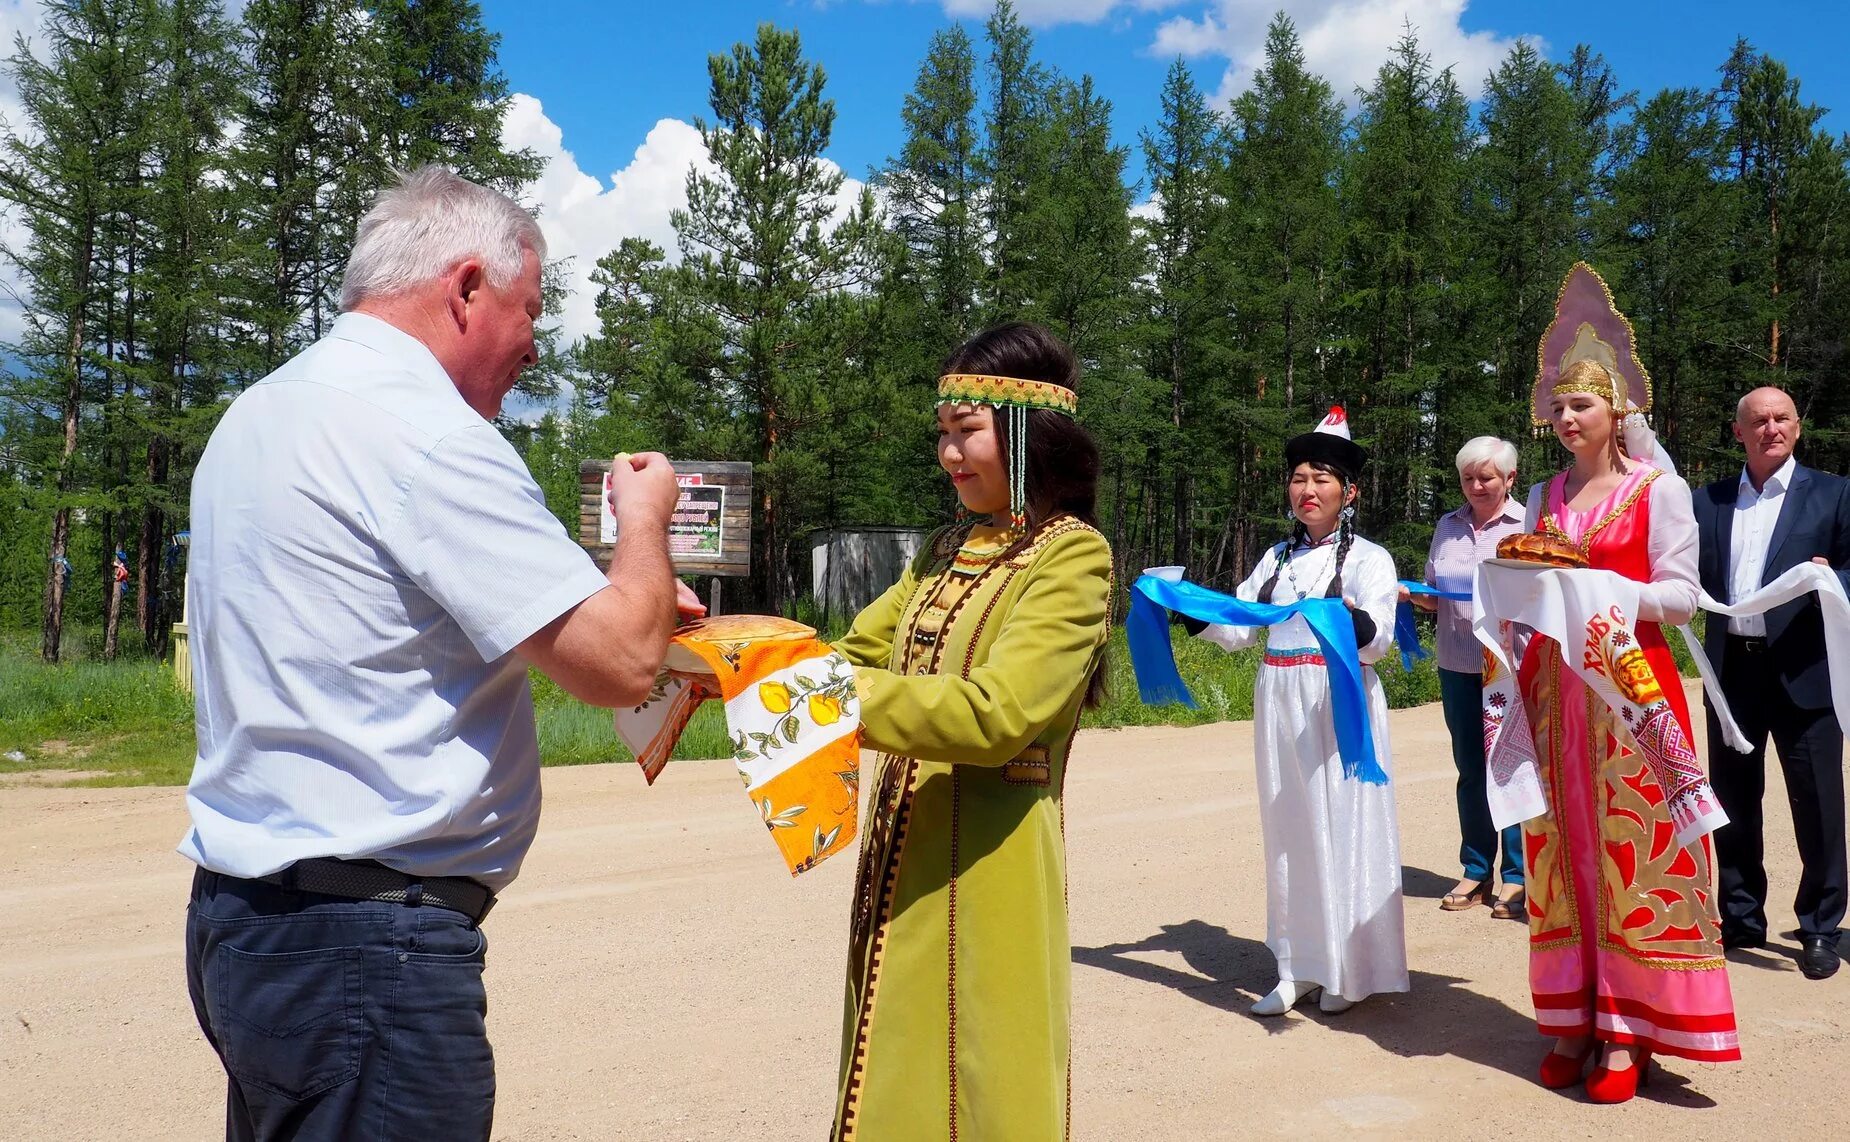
pixel 1332 1004
pixel 1285 996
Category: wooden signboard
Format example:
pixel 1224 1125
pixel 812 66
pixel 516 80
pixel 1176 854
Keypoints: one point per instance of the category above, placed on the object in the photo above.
pixel 711 533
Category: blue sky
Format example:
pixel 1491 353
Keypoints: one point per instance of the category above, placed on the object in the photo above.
pixel 607 92
pixel 606 72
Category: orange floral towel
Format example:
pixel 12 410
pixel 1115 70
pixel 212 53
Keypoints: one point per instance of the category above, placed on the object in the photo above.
pixel 796 737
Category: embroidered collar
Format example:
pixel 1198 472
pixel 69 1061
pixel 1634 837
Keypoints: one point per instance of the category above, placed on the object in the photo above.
pixel 982 547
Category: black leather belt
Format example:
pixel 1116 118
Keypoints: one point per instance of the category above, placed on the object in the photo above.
pixel 1746 645
pixel 370 880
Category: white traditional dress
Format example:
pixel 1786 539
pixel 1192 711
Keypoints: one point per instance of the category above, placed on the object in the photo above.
pixel 1332 846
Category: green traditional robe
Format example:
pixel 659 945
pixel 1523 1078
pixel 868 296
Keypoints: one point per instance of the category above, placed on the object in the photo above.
pixel 971 671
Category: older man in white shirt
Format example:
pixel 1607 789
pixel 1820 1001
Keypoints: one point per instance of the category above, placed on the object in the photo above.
pixel 1774 515
pixel 373 571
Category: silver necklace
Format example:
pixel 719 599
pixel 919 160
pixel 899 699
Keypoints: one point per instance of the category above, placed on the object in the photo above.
pixel 1291 569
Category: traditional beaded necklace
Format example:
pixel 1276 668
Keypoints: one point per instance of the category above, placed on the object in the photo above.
pixel 979 551
pixel 1291 569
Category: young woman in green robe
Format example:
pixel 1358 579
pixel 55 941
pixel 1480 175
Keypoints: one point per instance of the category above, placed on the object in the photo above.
pixel 972 671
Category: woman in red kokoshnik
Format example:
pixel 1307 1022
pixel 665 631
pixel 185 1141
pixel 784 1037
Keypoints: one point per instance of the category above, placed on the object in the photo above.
pixel 1625 957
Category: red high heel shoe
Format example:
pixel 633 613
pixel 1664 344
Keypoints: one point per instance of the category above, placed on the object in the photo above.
pixel 1561 1071
pixel 1619 1086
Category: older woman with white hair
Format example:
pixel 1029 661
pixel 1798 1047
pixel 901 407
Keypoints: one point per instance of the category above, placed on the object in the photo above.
pixel 1462 539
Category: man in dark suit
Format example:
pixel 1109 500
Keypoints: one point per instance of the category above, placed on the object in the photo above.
pixel 1775 515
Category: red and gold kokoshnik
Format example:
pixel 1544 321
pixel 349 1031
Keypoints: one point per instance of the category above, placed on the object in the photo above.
pixel 976 388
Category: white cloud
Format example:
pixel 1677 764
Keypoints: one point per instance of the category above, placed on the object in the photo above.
pixel 1345 41
pixel 1043 13
pixel 17 17
pixel 584 219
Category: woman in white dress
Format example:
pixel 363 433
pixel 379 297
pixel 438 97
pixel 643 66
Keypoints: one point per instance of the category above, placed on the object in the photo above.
pixel 1332 848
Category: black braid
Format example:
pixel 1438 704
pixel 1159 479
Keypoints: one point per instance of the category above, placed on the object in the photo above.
pixel 1298 535
pixel 1345 538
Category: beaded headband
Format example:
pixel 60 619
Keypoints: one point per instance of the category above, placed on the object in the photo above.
pixel 976 388
pixel 1014 398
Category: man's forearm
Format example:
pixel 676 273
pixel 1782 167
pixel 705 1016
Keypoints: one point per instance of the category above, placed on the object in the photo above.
pixel 642 575
pixel 608 649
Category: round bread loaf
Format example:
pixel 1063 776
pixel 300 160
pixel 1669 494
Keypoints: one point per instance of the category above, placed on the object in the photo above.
pixel 1534 547
pixel 727 633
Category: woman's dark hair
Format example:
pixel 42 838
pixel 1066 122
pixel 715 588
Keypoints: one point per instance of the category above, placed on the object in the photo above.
pixel 1345 538
pixel 1062 474
pixel 1062 469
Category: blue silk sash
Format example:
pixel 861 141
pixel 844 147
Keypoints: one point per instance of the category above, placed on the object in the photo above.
pixel 1406 632
pixel 1158 681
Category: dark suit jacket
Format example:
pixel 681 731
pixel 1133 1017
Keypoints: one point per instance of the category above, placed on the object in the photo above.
pixel 1814 519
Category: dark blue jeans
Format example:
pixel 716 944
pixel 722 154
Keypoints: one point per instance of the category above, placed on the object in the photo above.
pixel 1462 696
pixel 339 1018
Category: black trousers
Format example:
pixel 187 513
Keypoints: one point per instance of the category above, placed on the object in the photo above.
pixel 340 1019
pixel 1811 751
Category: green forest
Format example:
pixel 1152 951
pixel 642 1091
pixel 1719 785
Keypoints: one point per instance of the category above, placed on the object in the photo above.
pixel 184 187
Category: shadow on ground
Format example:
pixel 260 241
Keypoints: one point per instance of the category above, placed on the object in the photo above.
pixel 1441 1015
pixel 1423 884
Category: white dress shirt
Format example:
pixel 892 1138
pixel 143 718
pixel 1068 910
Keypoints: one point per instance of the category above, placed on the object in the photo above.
pixel 367 552
pixel 1756 514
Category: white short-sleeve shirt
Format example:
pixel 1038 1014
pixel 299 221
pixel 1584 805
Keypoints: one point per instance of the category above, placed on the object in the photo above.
pixel 366 553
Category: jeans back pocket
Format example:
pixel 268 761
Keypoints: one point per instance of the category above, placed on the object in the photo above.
pixel 289 1022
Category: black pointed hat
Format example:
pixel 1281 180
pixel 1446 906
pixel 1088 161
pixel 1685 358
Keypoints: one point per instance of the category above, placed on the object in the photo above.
pixel 1328 443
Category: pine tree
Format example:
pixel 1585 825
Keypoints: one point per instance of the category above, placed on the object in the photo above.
pixel 1183 329
pixel 765 255
pixel 302 169
pixel 1528 178
pixel 1074 252
pixel 1772 130
pixel 1665 248
pixel 931 189
pixel 67 176
pixel 1280 253
pixel 610 363
pixel 1017 90
pixel 1075 267
pixel 931 279
pixel 189 236
pixel 1402 188
pixel 447 96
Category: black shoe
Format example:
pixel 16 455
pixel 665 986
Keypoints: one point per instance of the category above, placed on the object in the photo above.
pixel 1732 940
pixel 1819 959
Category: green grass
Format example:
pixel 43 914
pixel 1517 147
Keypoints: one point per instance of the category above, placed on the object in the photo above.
pixel 572 733
pixel 127 723
pixel 1222 684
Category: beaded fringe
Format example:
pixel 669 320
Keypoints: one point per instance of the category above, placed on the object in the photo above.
pixel 1018 466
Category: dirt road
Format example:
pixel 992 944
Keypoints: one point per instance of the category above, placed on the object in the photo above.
pixel 655 975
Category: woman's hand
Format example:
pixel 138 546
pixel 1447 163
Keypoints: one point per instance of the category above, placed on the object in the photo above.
pixel 1364 623
pixel 1193 626
pixel 1423 602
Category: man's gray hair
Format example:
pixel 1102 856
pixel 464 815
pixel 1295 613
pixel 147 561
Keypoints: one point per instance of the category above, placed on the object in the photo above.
pixel 1481 450
pixel 431 220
